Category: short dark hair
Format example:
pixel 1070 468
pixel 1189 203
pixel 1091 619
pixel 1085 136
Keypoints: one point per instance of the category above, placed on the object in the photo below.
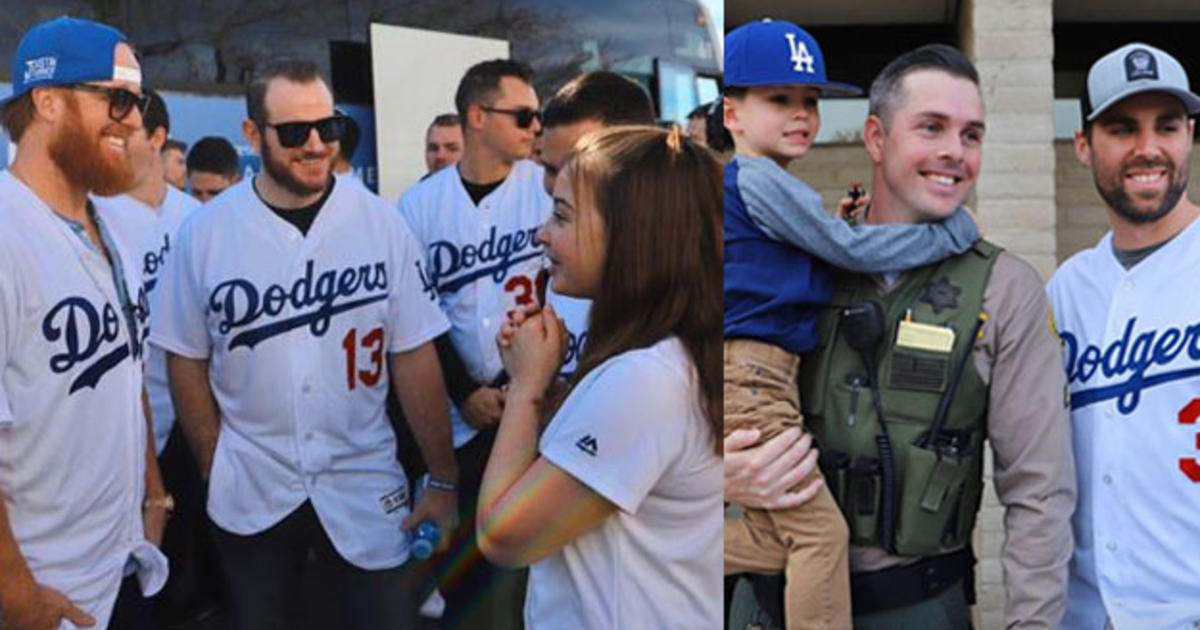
pixel 173 144
pixel 444 120
pixel 736 92
pixel 17 115
pixel 604 96
pixel 715 134
pixel 213 154
pixel 700 111
pixel 155 115
pixel 885 89
pixel 292 69
pixel 483 79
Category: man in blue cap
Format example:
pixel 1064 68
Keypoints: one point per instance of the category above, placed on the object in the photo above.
pixel 80 486
pixel 778 242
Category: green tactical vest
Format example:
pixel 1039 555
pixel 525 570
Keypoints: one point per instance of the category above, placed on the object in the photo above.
pixel 937 486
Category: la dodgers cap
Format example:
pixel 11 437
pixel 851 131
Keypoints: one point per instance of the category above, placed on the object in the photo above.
pixel 67 50
pixel 777 52
pixel 1133 69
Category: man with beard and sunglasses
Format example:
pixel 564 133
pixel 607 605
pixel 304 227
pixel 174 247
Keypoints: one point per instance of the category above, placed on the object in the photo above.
pixel 77 469
pixel 477 220
pixel 284 298
pixel 1127 314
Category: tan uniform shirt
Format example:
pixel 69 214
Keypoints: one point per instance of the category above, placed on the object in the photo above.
pixel 1028 428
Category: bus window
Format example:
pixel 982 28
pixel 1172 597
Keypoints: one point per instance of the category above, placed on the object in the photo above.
pixel 677 92
pixel 707 88
pixel 690 30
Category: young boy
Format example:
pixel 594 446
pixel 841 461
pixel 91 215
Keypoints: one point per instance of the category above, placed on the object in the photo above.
pixel 778 245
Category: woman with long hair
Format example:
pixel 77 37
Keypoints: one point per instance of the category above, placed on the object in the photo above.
pixel 617 505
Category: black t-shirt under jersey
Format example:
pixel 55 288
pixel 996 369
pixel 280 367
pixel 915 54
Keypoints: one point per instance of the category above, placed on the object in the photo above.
pixel 478 191
pixel 302 218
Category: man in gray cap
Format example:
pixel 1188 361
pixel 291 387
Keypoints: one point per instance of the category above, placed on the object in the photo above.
pixel 1129 322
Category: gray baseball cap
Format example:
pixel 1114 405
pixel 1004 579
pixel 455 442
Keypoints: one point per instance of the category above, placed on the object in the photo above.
pixel 1133 69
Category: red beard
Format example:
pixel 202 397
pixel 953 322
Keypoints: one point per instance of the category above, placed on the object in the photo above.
pixel 84 163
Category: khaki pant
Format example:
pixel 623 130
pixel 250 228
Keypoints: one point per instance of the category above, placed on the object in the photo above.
pixel 810 542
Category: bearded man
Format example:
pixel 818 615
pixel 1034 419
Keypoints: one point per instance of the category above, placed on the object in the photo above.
pixel 79 487
pixel 283 299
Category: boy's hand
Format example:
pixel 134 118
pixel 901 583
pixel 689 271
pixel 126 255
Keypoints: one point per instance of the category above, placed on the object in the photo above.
pixel 850 207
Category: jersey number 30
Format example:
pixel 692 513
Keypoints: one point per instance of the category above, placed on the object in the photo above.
pixel 1189 465
pixel 527 290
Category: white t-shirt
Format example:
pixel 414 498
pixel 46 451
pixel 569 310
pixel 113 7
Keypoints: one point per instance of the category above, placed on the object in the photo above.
pixel 298 329
pixel 484 261
pixel 1131 349
pixel 72 431
pixel 633 431
pixel 149 232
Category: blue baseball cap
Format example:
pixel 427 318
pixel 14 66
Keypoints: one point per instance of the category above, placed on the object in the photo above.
pixel 64 51
pixel 777 52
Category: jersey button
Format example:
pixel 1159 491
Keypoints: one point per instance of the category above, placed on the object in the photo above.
pixel 1112 546
pixel 309 436
pixel 1107 480
pixel 306 388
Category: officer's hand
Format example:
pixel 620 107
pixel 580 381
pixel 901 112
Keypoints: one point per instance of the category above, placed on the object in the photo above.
pixel 760 477
pixel 45 610
pixel 483 407
pixel 439 506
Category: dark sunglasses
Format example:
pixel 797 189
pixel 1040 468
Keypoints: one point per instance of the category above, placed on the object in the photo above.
pixel 523 116
pixel 295 134
pixel 120 100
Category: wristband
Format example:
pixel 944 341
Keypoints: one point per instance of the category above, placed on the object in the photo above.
pixel 166 502
pixel 438 484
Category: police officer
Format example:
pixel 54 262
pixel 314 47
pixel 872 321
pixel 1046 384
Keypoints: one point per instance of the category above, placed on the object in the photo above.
pixel 947 354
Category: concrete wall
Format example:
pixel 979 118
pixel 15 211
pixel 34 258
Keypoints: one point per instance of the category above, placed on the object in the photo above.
pixel 1081 216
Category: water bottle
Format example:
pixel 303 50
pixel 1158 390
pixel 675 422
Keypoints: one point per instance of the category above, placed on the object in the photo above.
pixel 427 534
pixel 425 539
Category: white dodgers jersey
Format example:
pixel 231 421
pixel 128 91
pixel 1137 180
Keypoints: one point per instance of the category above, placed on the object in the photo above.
pixel 1131 344
pixel 298 329
pixel 484 261
pixel 72 431
pixel 149 233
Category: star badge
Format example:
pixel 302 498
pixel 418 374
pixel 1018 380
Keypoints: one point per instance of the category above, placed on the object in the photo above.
pixel 941 295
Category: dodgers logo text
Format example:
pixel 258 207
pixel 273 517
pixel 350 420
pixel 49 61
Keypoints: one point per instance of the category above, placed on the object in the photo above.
pixel 238 303
pixel 81 330
pixel 1134 355
pixel 453 266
